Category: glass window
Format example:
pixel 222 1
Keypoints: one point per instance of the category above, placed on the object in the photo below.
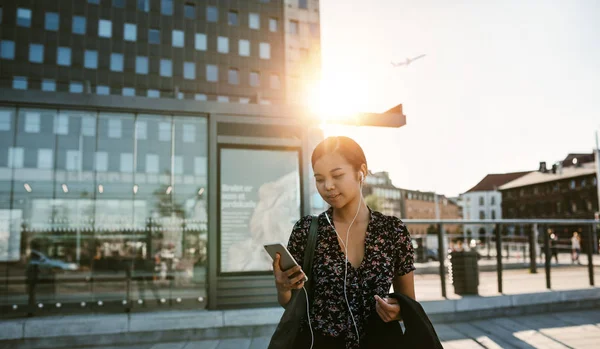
pixel 244 100
pixel 88 126
pixel 294 27
pixel 481 201
pixel 45 159
pixel 130 32
pixel 63 56
pixel 119 3
pixel 151 163
pixel 265 50
pixel 212 14
pixel 143 5
pixel 178 162
pixel 141 129
pixel 254 79
pixel 32 122
pixel 114 128
pixel 90 58
pixel 116 62
pixel 303 4
pixel 48 85
pixel 223 99
pixel 15 157
pixel 141 65
pixel 20 83
pixel 178 38
pixel 36 53
pixel 52 21
pixel 166 67
pixel 275 82
pixel 223 44
pixel 7 49
pixel 79 23
pixel 24 17
pixel 164 131
pixel 180 95
pixel 102 90
pixel 200 165
pixel 128 91
pixel 72 159
pixel 75 87
pixel 234 78
pixel 273 25
pixel 153 94
pixel 232 18
pixel 254 21
pixel 200 97
pixel 126 162
pixel 166 7
pixel 201 42
pixel 189 133
pixel 189 11
pixel 61 124
pixel 154 36
pixel 265 101
pixel 212 73
pixel 104 28
pixel 189 70
pixel 244 48
pixel 101 161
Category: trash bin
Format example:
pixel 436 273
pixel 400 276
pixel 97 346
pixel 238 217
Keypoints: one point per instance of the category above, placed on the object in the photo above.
pixel 464 272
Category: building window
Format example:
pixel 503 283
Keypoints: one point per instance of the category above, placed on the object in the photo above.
pixel 45 159
pixel 76 87
pixel 36 53
pixel 105 28
pixel 151 163
pixel 222 99
pixel 275 82
pixel 153 94
pixel 114 128
pixel 265 101
pixel 61 124
pixel 7 49
pixel 95 2
pixel 102 90
pixel 223 44
pixel 254 79
pixel 254 21
pixel 166 7
pixel 178 164
pixel 154 36
pixel 63 56
pixel 234 76
pixel 166 68
pixel 244 100
pixel 189 70
pixel 143 5
pixel 493 200
pixel 200 42
pixel 273 25
pixel 232 18
pixel 178 38
pixel 493 214
pixel 20 83
pixel 79 25
pixel 141 130
pixel 15 157
pixel 200 97
pixel 130 32
pixel 265 50
pixel 116 62
pixel 119 3
pixel 212 73
pixel 481 201
pixel 88 126
pixel 189 11
pixel 32 122
pixel 244 48
pixel 481 215
pixel 52 21
pixel 101 161
pixel 164 131
pixel 90 59
pixel 303 4
pixel 128 91
pixel 200 165
pixel 126 162
pixel 141 65
pixel 48 85
pixel 24 17
pixel 294 27
pixel 573 184
pixel 189 133
pixel 72 163
pixel 212 14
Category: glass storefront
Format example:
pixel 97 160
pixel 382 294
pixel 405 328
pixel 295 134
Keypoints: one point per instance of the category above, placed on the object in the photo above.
pixel 102 210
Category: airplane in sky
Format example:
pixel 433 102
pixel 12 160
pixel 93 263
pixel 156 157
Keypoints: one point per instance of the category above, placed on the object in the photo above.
pixel 407 62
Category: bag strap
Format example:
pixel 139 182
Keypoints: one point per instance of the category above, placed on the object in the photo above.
pixel 309 253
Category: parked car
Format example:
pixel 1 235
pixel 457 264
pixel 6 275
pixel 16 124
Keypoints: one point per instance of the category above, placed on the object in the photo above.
pixel 45 262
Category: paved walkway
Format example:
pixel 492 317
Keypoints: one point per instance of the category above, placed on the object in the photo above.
pixel 579 330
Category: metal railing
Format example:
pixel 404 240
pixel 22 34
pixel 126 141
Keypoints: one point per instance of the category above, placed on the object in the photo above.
pixel 590 235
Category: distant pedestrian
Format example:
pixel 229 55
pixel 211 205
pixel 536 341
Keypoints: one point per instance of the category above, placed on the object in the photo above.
pixel 575 248
pixel 554 247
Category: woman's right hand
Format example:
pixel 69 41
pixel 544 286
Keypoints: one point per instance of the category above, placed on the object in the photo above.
pixel 287 280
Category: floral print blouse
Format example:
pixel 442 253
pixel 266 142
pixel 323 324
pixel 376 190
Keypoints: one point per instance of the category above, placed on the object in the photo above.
pixel 388 253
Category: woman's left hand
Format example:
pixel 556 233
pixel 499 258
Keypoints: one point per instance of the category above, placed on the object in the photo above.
pixel 388 309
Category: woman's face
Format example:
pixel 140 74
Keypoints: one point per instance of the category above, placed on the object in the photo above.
pixel 336 180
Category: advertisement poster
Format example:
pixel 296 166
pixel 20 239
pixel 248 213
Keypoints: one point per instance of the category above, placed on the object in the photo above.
pixel 260 202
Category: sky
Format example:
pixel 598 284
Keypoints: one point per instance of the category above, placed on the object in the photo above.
pixel 503 86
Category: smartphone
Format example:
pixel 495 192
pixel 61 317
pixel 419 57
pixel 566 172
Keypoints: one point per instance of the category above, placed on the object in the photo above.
pixel 286 261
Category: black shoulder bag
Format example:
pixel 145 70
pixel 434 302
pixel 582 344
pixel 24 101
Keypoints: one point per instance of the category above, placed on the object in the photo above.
pixel 287 330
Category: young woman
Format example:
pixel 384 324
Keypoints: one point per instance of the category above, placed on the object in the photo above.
pixel 360 253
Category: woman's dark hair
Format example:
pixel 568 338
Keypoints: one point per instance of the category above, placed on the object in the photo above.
pixel 344 146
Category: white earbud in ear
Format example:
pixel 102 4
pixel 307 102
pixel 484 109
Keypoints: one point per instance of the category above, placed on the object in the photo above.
pixel 362 177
